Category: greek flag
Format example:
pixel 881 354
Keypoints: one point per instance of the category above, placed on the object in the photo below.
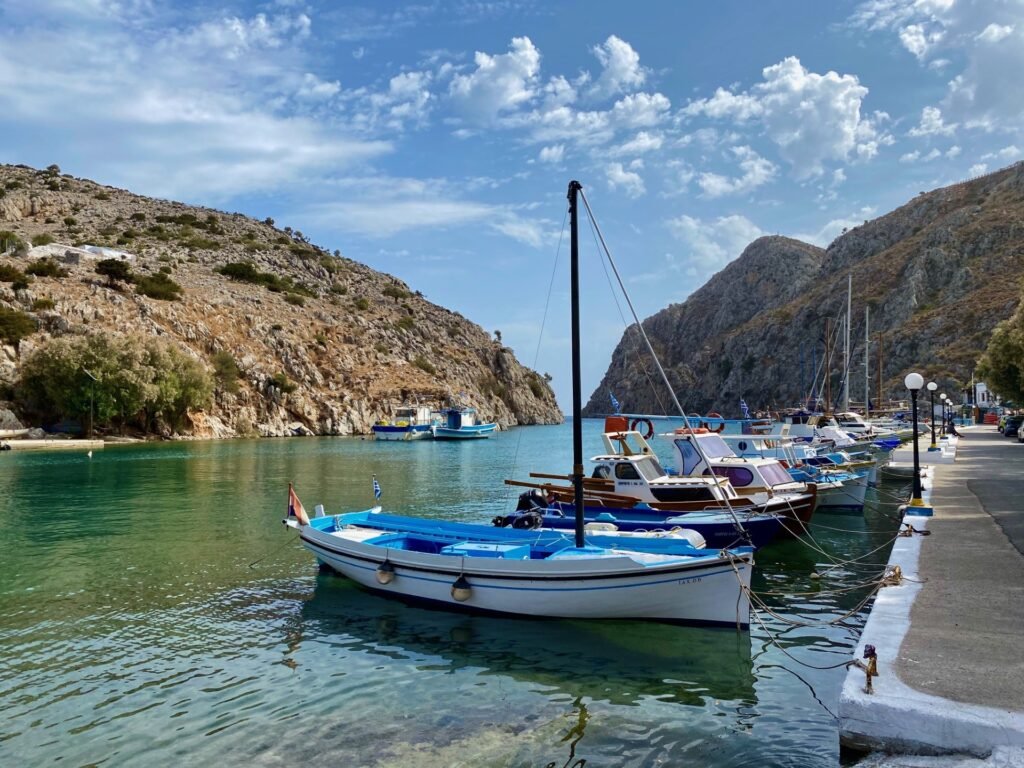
pixel 376 488
pixel 743 407
pixel 615 403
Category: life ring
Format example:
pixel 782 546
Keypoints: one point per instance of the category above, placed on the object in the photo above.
pixel 721 422
pixel 648 433
pixel 691 431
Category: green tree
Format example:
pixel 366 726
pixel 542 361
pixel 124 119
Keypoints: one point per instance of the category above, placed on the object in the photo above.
pixel 15 325
pixel 125 381
pixel 1002 364
pixel 114 270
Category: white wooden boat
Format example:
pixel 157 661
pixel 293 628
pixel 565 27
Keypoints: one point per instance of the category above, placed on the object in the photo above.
pixel 534 573
pixel 410 422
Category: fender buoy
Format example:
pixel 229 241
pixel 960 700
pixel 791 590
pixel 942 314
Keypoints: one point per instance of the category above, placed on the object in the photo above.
pixel 691 431
pixel 648 431
pixel 721 422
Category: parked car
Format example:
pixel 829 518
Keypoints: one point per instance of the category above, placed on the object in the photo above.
pixel 1012 426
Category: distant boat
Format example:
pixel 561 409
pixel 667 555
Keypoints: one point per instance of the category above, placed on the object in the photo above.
pixel 459 423
pixel 411 422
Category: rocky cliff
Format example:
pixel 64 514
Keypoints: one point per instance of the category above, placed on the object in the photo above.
pixel 936 274
pixel 324 345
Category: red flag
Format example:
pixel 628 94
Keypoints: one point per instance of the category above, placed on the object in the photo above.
pixel 295 508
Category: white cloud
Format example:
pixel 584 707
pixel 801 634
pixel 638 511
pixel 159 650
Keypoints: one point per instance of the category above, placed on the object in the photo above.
pixel 977 169
pixel 916 40
pixel 910 157
pixel 314 88
pixel 987 39
pixel 226 106
pixel 932 124
pixel 953 151
pixel 640 110
pixel 553 154
pixel 499 83
pixel 993 33
pixel 639 144
pixel 629 181
pixel 621 70
pixel 710 245
pixel 813 118
pixel 835 227
pixel 407 100
pixel 756 171
pixel 1006 154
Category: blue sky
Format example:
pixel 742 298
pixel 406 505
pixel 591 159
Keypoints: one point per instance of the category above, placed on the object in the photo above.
pixel 435 140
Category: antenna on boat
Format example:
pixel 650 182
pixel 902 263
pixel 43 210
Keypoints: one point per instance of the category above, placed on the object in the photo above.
pixel 575 189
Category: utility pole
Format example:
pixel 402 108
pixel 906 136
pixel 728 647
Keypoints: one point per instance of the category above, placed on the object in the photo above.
pixel 867 361
pixel 846 346
pixel 828 367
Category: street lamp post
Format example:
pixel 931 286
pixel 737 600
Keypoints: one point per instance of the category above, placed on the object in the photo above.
pixel 914 382
pixel 932 386
pixel 947 406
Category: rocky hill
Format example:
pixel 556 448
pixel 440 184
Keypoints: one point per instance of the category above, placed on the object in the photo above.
pixel 937 275
pixel 324 345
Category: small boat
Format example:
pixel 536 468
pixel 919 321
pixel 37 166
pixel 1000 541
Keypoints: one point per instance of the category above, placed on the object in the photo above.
pixel 411 422
pixel 534 573
pixel 459 423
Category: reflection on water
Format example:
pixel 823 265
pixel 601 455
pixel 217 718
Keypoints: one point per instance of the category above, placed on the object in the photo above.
pixel 618 662
pixel 133 629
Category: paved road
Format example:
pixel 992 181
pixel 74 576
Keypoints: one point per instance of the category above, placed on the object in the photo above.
pixel 966 638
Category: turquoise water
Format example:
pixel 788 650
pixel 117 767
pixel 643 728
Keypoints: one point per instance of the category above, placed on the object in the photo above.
pixel 153 608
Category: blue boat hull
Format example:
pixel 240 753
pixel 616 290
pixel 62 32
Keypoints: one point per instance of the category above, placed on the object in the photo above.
pixel 473 432
pixel 718 530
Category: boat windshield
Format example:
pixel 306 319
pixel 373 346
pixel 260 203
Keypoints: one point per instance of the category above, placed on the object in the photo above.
pixel 714 447
pixel 774 474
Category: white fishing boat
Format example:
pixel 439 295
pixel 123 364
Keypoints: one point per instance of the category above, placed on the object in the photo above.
pixel 410 422
pixel 533 573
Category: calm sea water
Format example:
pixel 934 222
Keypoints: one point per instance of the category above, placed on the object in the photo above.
pixel 153 610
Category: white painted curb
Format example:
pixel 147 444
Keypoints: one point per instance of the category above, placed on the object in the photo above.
pixel 897 718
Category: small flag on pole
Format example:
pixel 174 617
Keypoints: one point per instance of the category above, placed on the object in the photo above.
pixel 743 407
pixel 376 488
pixel 295 508
pixel 615 403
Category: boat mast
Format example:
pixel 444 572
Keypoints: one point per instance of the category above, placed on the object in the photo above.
pixel 828 367
pixel 846 347
pixel 577 395
pixel 879 369
pixel 867 362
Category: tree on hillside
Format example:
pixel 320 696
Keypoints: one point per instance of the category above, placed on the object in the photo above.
pixel 123 381
pixel 115 271
pixel 1002 365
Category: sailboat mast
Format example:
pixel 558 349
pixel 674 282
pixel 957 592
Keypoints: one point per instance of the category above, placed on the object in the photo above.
pixel 828 367
pixel 846 347
pixel 577 394
pixel 879 369
pixel 867 362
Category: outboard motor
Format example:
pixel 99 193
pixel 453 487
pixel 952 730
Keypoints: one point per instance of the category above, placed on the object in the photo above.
pixel 532 499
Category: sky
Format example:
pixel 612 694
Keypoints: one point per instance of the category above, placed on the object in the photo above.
pixel 435 140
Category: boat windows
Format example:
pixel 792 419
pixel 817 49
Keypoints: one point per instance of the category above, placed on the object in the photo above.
pixel 626 471
pixel 602 472
pixel 688 454
pixel 740 477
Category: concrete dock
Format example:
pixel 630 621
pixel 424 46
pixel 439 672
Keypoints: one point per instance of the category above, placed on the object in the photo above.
pixel 949 638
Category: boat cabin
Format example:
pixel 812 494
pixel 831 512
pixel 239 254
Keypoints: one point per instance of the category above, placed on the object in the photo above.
pixel 755 478
pixel 459 418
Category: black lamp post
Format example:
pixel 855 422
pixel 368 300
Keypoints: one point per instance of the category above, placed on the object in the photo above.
pixel 932 386
pixel 947 410
pixel 914 382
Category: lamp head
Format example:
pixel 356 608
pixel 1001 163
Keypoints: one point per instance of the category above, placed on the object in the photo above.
pixel 932 386
pixel 914 381
pixel 942 396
